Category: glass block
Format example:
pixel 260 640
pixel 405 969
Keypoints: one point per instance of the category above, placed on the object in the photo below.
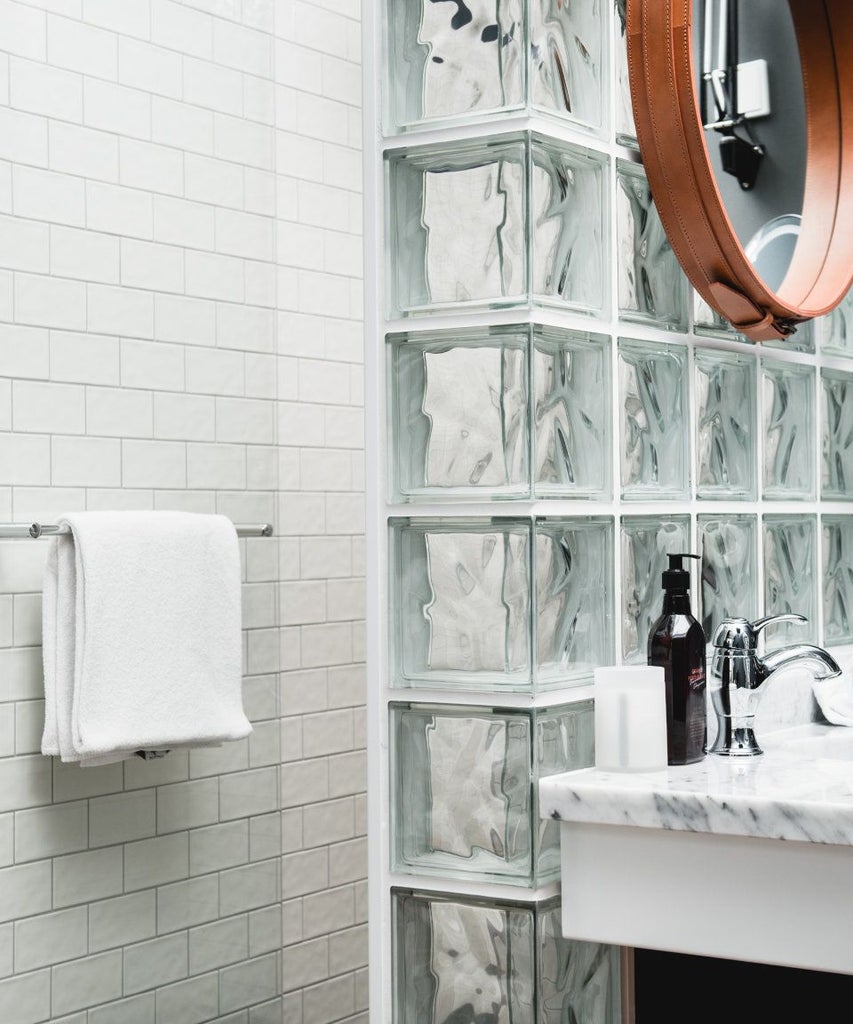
pixel 790 573
pixel 568 53
pixel 646 541
pixel 460 62
pixel 460 441
pixel 460 959
pixel 652 285
pixel 837 329
pixel 453 60
pixel 462 221
pixel 461 591
pixel 568 226
pixel 457 225
pixel 837 434
pixel 654 431
pixel 574 596
pixel 802 340
pixel 789 425
pixel 729 584
pixel 572 414
pixel 465 788
pixel 707 321
pixel 725 425
pixel 838 579
pixel 626 130
pixel 465 613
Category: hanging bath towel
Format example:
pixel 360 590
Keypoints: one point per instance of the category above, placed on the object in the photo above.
pixel 142 635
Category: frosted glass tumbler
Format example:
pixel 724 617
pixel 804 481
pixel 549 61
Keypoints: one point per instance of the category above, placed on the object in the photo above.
pixel 630 719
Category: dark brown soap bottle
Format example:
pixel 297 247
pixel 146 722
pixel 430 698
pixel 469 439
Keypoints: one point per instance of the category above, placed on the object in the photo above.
pixel 677 643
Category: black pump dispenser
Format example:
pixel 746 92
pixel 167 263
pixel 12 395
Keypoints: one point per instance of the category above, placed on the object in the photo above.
pixel 677 644
pixel 676 577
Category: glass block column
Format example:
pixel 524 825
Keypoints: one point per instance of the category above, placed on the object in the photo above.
pixel 550 412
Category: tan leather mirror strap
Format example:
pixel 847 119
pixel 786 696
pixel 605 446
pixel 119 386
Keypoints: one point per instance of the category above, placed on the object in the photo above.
pixel 675 156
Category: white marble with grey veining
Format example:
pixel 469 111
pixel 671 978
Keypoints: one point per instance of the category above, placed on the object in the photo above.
pixel 800 788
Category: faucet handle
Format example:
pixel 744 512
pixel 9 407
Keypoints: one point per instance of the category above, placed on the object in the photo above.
pixel 744 636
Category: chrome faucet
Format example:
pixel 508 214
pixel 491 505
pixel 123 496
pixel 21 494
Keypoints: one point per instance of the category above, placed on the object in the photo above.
pixel 739 674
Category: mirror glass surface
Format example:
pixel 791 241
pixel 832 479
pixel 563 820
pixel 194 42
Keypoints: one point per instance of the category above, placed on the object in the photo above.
pixel 755 123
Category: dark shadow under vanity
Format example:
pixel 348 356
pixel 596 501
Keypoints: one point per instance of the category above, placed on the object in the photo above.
pixel 674 988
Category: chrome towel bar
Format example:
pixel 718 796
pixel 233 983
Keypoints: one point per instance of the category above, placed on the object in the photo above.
pixel 36 530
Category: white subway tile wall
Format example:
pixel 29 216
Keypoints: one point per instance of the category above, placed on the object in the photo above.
pixel 180 327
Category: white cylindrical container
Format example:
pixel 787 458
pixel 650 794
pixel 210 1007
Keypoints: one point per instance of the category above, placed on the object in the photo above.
pixel 630 718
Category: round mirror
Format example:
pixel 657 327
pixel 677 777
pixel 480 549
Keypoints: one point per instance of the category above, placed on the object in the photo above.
pixel 740 110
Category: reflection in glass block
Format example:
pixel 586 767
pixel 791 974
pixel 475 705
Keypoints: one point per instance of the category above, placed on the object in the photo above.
pixel 460 440
pixel 838 579
pixel 574 593
pixel 802 340
pixel 707 321
pixel 790 573
pixel 837 329
pixel 626 130
pixel 653 422
pixel 837 434
pixel 457 958
pixel 458 234
pixel 788 391
pixel 646 542
pixel 465 794
pixel 567 224
pixel 571 413
pixel 461 590
pixel 652 286
pixel 725 425
pixel 453 60
pixel 729 588
pixel 457 225
pixel 568 53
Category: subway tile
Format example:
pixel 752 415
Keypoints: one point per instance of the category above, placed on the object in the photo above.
pixel 214 181
pixel 51 831
pixel 181 28
pixel 218 944
pixel 218 466
pixel 149 68
pixel 25 999
pixel 149 166
pixel 151 265
pixel 7 730
pixel 215 372
pixel 83 877
pixel 40 89
pixel 184 319
pixel 83 358
pixel 219 847
pixel 120 210
pixel 86 982
pixel 75 149
pixel 117 108
pixel 189 903
pixel 119 412
pixel 247 983
pixel 88 255
pixel 243 141
pixel 181 125
pixel 24 890
pixel 330 1000
pixel 187 805
pixel 50 302
pixel 48 408
pixel 248 421
pixel 24 351
pixel 156 861
pixel 305 963
pixel 246 793
pixel 184 417
pixel 245 327
pixel 23 137
pixel 189 1002
pixel 122 311
pixel 29 714
pixel 48 195
pixel 249 887
pixel 265 933
pixel 243 48
pixel 155 365
pixel 212 86
pixel 230 757
pixel 7 944
pixel 154 963
pixel 51 938
pixel 122 920
pixel 154 464
pixel 86 461
pixel 135 1010
pixel 213 276
pixel 79 47
pixel 182 222
pixel 24 782
pixel 122 817
pixel 71 783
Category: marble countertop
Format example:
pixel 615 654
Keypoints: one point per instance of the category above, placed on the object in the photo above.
pixel 800 788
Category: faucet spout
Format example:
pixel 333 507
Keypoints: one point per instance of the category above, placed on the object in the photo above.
pixel 820 662
pixel 739 677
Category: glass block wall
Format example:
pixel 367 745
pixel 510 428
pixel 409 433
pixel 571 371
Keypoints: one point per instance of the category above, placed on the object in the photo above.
pixel 553 411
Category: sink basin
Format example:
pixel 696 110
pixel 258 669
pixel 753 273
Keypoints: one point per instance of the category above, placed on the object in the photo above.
pixel 825 743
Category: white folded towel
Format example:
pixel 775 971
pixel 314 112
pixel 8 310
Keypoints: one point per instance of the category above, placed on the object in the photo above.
pixel 141 635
